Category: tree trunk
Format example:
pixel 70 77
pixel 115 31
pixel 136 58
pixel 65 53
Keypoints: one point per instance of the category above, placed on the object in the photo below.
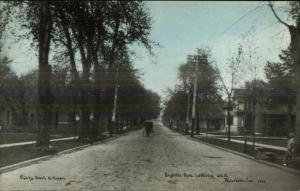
pixel 198 124
pixel 108 98
pixel 81 85
pixel 98 99
pixel 228 123
pixel 295 45
pixel 229 118
pixel 85 110
pixel 85 83
pixel 44 78
pixel 297 124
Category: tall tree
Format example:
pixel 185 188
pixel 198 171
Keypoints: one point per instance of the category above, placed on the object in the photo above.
pixel 281 79
pixel 207 94
pixel 294 30
pixel 108 28
pixel 234 67
pixel 175 106
pixel 130 23
pixel 44 79
pixel 4 60
pixel 281 74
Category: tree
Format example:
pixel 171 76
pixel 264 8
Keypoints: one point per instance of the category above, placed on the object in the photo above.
pixel 100 32
pixel 4 60
pixel 281 80
pixel 294 30
pixel 38 19
pixel 234 70
pixel 207 94
pixel 108 27
pixel 130 23
pixel 44 79
pixel 184 76
pixel 134 101
pixel 175 106
pixel 281 74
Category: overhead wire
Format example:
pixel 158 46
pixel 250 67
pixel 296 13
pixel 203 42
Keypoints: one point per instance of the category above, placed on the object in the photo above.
pixel 243 16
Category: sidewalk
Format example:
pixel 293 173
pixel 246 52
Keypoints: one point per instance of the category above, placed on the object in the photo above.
pixel 256 144
pixel 33 142
pixel 248 142
pixel 242 136
pixel 242 142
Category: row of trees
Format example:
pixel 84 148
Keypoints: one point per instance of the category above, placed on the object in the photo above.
pixel 94 37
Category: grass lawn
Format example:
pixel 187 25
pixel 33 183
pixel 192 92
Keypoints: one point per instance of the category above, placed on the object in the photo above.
pixel 12 155
pixel 16 154
pixel 229 145
pixel 277 156
pixel 274 142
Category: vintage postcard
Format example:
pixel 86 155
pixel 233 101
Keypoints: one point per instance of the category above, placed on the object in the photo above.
pixel 149 95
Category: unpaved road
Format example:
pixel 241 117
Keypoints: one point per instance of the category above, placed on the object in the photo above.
pixel 164 161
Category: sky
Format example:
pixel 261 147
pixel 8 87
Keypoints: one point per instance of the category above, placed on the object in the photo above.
pixel 180 28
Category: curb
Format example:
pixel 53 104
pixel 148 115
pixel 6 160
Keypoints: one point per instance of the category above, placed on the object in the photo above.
pixel 35 160
pixel 290 170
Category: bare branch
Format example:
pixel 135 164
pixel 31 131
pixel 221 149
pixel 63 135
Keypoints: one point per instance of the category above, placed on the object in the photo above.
pixel 277 17
pixel 59 40
pixel 224 85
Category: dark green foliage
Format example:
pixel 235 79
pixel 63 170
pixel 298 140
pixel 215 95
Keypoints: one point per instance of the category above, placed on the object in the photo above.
pixel 99 33
pixel 208 97
pixel 281 78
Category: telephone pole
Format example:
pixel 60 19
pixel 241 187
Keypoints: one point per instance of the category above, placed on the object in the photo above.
pixel 194 59
pixel 188 109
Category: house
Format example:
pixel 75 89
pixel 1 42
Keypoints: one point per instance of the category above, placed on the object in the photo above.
pixel 270 112
pixel 9 104
pixel 6 115
pixel 19 107
pixel 212 121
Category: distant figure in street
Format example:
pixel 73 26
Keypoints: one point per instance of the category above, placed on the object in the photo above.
pixel 148 126
pixel 171 123
pixel 290 148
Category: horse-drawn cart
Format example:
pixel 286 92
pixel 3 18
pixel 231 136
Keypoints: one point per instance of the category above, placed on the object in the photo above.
pixel 148 127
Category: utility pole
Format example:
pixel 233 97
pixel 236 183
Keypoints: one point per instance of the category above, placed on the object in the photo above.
pixel 194 100
pixel 188 109
pixel 254 109
pixel 254 113
pixel 196 60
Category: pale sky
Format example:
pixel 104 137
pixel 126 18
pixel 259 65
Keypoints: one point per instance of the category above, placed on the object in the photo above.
pixel 180 28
